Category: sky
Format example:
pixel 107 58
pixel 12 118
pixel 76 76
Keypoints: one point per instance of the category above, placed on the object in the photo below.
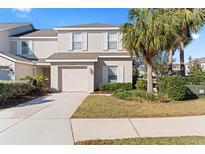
pixel 50 18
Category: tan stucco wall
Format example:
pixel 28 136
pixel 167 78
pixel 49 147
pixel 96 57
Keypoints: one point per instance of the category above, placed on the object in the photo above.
pixel 22 70
pixel 5 40
pixel 56 74
pixel 6 62
pixel 44 48
pixel 95 40
pixel 126 63
pixel 94 71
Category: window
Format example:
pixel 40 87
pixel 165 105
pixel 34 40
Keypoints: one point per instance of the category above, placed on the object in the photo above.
pixel 77 41
pixel 112 73
pixel 112 41
pixel 24 48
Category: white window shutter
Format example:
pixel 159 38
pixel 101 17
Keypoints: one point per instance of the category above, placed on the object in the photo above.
pixel 30 45
pixel 120 74
pixel 105 74
pixel 119 41
pixel 85 41
pixel 18 50
pixel 105 41
pixel 70 41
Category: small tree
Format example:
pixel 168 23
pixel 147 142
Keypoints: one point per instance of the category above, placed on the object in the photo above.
pixel 195 67
pixel 160 60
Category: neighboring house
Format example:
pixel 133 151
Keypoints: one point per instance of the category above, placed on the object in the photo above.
pixel 74 58
pixel 201 60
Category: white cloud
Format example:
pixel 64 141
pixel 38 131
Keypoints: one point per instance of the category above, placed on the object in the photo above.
pixel 22 10
pixel 195 36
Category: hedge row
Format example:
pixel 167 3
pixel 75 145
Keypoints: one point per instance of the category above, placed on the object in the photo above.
pixel 10 89
pixel 176 88
pixel 130 95
pixel 194 80
pixel 110 87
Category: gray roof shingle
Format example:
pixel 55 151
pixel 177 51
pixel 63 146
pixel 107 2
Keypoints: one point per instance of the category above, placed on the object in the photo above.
pixel 93 25
pixel 38 33
pixel 83 55
pixel 11 25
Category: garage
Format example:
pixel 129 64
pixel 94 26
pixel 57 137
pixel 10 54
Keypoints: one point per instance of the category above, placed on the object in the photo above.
pixel 5 73
pixel 74 79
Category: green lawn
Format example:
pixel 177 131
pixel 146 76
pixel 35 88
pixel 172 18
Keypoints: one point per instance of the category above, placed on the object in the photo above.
pixel 111 107
pixel 186 140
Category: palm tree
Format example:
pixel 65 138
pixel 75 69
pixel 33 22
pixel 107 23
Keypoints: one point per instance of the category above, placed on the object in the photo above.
pixel 146 33
pixel 172 20
pixel 190 21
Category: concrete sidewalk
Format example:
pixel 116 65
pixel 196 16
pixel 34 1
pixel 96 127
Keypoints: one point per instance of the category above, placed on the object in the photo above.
pixel 85 129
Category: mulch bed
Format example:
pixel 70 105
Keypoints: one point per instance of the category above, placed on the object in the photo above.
pixel 21 99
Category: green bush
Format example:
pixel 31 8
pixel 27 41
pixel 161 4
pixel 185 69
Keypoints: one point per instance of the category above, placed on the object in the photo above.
pixel 141 84
pixel 36 81
pixel 195 80
pixel 123 94
pixel 134 94
pixel 10 89
pixel 110 87
pixel 174 87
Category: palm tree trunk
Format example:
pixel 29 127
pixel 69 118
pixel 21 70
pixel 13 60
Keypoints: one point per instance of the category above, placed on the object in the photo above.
pixel 182 65
pixel 149 78
pixel 170 61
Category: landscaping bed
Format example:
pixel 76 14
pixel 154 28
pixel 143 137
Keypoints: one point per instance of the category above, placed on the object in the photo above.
pixel 112 107
pixel 21 99
pixel 183 140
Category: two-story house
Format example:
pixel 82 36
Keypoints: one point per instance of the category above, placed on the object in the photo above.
pixel 74 58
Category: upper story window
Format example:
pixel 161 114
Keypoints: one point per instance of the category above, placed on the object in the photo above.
pixel 24 47
pixel 112 41
pixel 112 73
pixel 77 41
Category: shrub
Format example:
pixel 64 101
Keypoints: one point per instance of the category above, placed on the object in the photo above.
pixel 174 87
pixel 141 84
pixel 110 87
pixel 134 94
pixel 36 81
pixel 9 89
pixel 195 80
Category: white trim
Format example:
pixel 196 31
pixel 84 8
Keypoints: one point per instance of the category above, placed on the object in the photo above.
pixel 114 56
pixel 7 57
pixel 84 41
pixel 42 64
pixel 89 28
pixel 71 60
pixel 105 41
pixel 33 37
pixel 70 41
pixel 14 60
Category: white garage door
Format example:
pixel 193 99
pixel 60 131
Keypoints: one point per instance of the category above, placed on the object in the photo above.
pixel 5 73
pixel 74 79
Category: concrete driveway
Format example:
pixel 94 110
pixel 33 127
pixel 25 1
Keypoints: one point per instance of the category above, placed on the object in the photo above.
pixel 45 120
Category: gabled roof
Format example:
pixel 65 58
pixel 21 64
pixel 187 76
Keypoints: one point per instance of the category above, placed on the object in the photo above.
pixel 15 58
pixel 37 33
pixel 6 26
pixel 85 56
pixel 93 25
